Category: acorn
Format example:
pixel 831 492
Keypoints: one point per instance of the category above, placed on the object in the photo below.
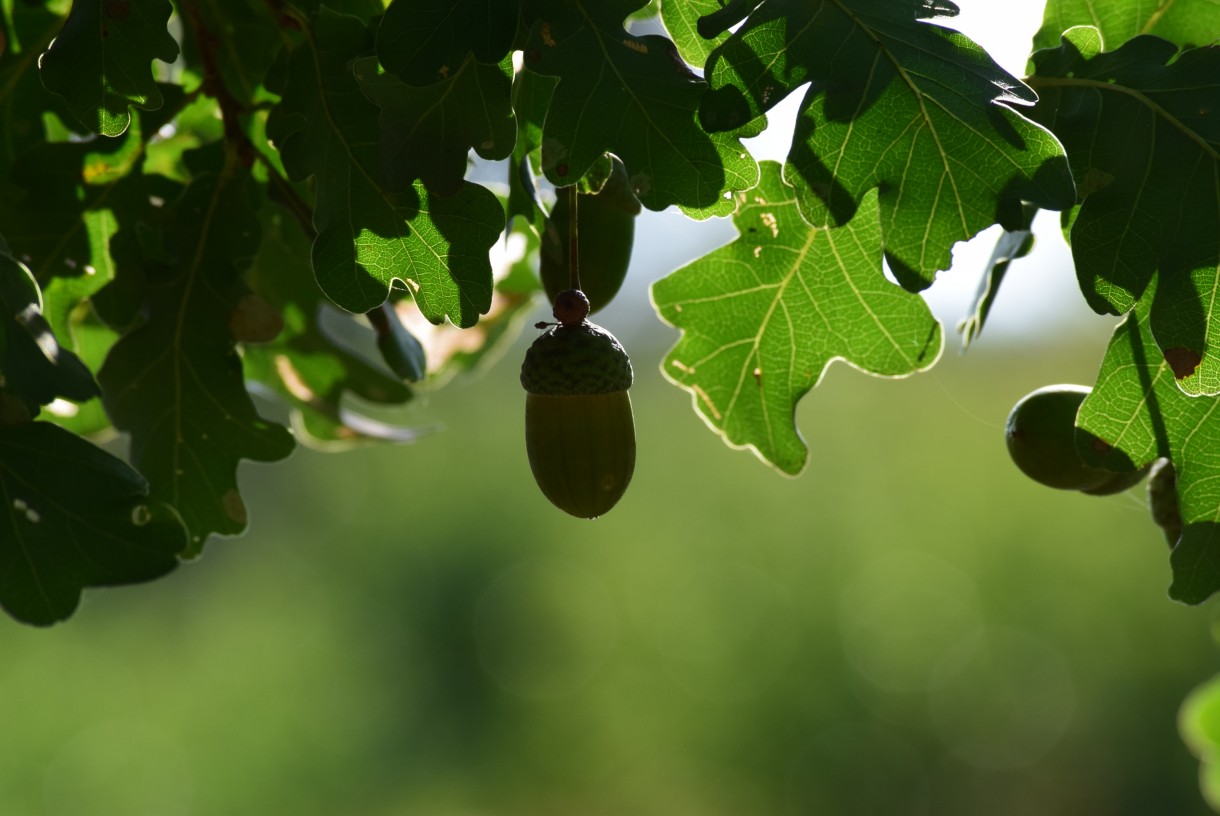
pixel 579 430
pixel 606 221
pixel 1041 434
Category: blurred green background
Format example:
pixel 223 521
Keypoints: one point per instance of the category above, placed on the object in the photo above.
pixel 911 627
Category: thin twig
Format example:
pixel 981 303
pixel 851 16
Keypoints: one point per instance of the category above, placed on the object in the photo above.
pixel 573 239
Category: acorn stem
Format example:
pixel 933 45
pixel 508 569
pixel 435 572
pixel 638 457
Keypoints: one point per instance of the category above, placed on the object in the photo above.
pixel 573 238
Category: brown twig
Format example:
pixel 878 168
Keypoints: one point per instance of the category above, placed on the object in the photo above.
pixel 214 86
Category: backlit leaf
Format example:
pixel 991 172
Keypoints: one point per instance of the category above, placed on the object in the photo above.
pixel 915 110
pixel 763 317
pixel 1137 409
pixel 687 22
pixel 1182 22
pixel 314 373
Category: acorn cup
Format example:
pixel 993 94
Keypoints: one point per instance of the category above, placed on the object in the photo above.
pixel 579 430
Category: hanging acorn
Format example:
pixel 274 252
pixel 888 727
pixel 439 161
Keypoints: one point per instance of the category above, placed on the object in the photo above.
pixel 607 232
pixel 579 429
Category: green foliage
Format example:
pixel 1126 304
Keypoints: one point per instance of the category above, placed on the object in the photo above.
pixel 1144 145
pixel 913 109
pixel 764 316
pixel 307 368
pixel 427 132
pixel 175 382
pixel 36 368
pixel 1200 726
pixel 640 103
pixel 97 527
pixel 1139 410
pixel 99 61
pixel 276 199
pixel 368 235
pixel 1185 23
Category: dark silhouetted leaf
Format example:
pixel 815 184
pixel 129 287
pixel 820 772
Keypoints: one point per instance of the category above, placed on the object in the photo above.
pixel 427 133
pixel 59 535
pixel 28 29
pixel 175 383
pixel 100 61
pixel 34 367
pixel 367 236
pixel 530 98
pixel 1142 130
pixel 637 101
pixel 1012 244
pixel 425 41
pixel 243 40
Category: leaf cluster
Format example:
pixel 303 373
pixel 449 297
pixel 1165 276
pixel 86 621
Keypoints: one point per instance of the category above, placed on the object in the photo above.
pixel 206 202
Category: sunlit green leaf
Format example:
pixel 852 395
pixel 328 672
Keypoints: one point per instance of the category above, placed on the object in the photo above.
pixel 1139 412
pixel 638 101
pixel 913 109
pixel 59 535
pixel 427 133
pixel 1182 22
pixel 763 317
pixel 369 237
pixel 175 383
pixel 311 371
pixel 1142 130
pixel 682 21
pixel 451 351
pixel 100 61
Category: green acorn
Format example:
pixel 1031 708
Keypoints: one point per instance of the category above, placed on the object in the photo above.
pixel 579 430
pixel 606 221
pixel 1041 435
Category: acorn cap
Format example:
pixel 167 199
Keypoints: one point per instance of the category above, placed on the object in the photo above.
pixel 576 359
